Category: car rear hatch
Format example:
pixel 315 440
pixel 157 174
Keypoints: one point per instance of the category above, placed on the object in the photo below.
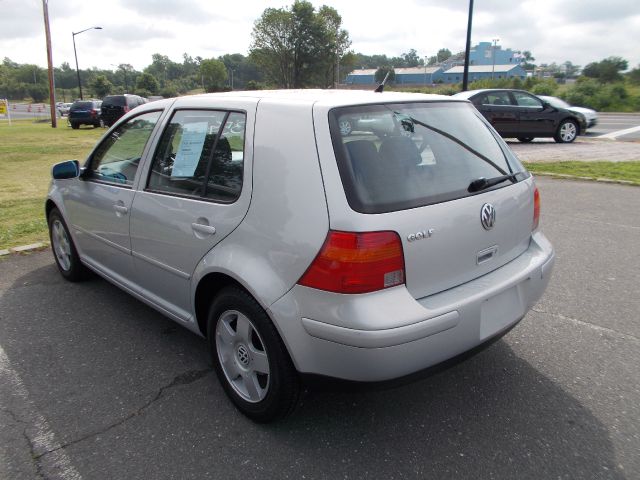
pixel 113 107
pixel 408 168
pixel 81 110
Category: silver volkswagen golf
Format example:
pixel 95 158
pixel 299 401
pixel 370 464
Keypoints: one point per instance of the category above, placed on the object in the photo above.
pixel 302 249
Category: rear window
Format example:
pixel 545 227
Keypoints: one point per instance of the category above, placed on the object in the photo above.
pixel 398 156
pixel 117 100
pixel 82 105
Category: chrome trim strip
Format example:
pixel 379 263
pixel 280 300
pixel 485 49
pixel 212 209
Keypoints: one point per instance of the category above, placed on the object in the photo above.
pixel 161 265
pixel 102 239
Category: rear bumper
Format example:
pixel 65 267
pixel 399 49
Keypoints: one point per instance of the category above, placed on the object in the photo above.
pixel 389 334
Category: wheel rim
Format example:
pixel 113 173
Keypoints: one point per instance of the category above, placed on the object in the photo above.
pixel 61 245
pixel 345 127
pixel 568 131
pixel 242 356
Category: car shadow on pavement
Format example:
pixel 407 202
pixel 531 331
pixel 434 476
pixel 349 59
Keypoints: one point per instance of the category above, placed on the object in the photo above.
pixel 128 392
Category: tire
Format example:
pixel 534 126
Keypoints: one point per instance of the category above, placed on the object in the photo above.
pixel 567 131
pixel 525 139
pixel 345 127
pixel 75 126
pixel 64 250
pixel 250 358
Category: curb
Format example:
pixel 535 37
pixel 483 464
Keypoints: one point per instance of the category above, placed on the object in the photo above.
pixel 591 179
pixel 33 247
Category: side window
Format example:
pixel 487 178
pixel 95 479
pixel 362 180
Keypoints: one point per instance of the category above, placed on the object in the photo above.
pixel 497 98
pixel 201 153
pixel 117 157
pixel 224 182
pixel 524 100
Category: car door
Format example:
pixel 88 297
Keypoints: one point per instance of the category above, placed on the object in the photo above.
pixel 498 109
pixel 99 202
pixel 535 120
pixel 195 194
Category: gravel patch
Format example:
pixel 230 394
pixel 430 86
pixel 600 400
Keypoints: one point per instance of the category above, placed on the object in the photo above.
pixel 583 149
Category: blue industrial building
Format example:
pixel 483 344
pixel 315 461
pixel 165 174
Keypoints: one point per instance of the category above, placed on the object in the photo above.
pixel 485 61
pixel 404 76
pixel 483 72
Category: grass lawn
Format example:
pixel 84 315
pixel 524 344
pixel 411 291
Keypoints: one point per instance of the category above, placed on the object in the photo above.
pixel 27 152
pixel 628 171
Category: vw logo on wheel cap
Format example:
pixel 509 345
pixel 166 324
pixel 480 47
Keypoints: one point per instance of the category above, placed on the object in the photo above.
pixel 488 216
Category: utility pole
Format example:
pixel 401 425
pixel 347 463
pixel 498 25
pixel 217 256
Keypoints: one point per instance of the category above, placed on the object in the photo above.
pixel 465 75
pixel 52 88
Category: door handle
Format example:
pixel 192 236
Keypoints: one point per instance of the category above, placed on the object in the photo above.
pixel 203 229
pixel 121 209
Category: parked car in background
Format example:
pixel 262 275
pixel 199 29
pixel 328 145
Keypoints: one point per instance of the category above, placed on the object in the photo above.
pixel 520 114
pixel 304 252
pixel 115 106
pixel 591 116
pixel 63 108
pixel 85 112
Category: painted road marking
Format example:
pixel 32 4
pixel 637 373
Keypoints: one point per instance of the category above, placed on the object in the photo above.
pixel 57 463
pixel 619 133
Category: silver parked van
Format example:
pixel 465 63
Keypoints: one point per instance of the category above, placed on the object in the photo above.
pixel 301 250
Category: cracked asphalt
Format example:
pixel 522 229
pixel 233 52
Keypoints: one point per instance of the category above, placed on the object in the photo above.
pixel 95 385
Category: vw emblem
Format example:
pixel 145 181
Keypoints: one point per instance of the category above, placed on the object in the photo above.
pixel 487 216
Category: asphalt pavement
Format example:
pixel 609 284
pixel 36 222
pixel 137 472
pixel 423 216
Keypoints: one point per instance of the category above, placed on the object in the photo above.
pixel 618 126
pixel 95 385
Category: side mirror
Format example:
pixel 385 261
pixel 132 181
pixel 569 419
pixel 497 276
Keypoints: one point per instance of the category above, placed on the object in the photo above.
pixel 64 170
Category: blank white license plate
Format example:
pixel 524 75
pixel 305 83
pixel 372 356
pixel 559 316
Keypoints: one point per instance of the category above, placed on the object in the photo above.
pixel 500 311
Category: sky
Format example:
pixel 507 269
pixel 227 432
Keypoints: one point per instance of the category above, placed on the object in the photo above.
pixel 581 31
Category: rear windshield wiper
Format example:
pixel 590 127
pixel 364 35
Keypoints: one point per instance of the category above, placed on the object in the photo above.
pixel 482 183
pixel 453 139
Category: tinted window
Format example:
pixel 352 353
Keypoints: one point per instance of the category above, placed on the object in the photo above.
pixel 117 100
pixel 82 106
pixel 526 100
pixel 497 98
pixel 116 159
pixel 201 153
pixel 408 155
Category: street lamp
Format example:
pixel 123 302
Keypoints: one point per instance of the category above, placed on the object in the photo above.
pixel 493 66
pixel 73 36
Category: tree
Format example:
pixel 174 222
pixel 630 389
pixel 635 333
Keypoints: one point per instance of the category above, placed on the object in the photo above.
pixel 214 75
pixel 528 60
pixel 101 86
pixel 634 75
pixel 443 54
pixel 147 84
pixel 411 58
pixel 607 70
pixel 298 47
pixel 382 72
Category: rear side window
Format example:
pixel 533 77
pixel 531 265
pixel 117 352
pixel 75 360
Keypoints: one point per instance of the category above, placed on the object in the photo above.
pixel 497 98
pixel 400 156
pixel 82 106
pixel 201 154
pixel 117 100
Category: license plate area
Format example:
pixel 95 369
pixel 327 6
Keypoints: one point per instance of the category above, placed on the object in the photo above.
pixel 500 311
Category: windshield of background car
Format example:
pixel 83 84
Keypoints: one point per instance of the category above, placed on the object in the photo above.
pixel 388 161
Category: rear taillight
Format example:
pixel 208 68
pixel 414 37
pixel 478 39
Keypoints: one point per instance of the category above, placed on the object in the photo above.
pixel 94 112
pixel 357 262
pixel 536 208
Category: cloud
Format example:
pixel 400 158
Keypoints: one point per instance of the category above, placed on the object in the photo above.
pixel 186 11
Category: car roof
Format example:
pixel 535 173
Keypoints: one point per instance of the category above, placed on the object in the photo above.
pixel 330 98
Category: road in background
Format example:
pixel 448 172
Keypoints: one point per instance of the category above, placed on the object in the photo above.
pixel 610 123
pixel 94 384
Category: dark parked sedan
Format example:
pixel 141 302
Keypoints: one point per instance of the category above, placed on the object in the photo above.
pixel 519 114
pixel 85 112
